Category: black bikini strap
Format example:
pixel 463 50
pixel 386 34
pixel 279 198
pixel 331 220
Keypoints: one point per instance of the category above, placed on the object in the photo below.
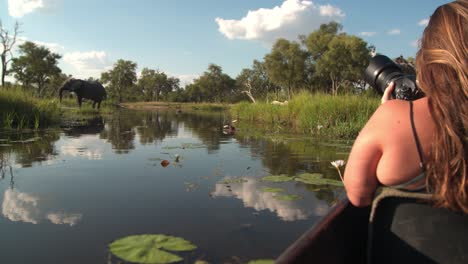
pixel 418 145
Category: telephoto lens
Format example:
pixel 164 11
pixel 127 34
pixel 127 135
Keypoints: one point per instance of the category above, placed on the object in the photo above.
pixel 382 71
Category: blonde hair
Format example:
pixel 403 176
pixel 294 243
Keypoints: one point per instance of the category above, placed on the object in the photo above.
pixel 441 65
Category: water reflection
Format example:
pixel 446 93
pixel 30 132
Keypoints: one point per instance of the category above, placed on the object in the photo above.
pixel 27 148
pixel 109 171
pixel 252 194
pixel 28 208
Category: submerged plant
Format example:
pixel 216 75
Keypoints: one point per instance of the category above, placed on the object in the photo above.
pixel 277 178
pixel 150 248
pixel 317 179
pixel 288 197
pixel 272 190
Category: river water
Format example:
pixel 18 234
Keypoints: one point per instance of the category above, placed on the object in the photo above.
pixel 67 193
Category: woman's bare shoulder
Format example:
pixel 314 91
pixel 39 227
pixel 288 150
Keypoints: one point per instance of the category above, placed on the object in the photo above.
pixel 386 118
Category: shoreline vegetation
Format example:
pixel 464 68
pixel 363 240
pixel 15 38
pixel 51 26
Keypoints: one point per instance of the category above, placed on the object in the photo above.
pixel 318 114
pixel 315 114
pixel 20 110
pixel 325 97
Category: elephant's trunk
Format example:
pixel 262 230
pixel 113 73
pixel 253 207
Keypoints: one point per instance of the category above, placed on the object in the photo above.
pixel 61 93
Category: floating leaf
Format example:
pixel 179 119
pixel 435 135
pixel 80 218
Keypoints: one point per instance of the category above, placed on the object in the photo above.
pixel 149 248
pixel 288 197
pixel 154 159
pixel 262 261
pixel 317 179
pixel 192 145
pixel 277 178
pixel 170 147
pixel 234 180
pixel 272 190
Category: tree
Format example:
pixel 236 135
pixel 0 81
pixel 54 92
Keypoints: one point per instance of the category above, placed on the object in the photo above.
pixel 120 80
pixel 151 83
pixel 8 41
pixel 255 82
pixel 285 65
pixel 171 84
pixel 317 41
pixel 213 86
pixel 35 66
pixel 345 60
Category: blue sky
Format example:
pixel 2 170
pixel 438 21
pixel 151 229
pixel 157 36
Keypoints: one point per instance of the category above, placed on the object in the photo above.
pixel 181 37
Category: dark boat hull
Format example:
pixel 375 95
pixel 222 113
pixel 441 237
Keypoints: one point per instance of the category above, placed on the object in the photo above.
pixel 401 228
pixel 338 237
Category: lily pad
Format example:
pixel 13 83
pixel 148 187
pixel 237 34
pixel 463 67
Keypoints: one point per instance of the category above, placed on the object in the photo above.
pixel 262 261
pixel 288 197
pixel 317 179
pixel 193 145
pixel 272 190
pixel 150 249
pixel 234 180
pixel 277 178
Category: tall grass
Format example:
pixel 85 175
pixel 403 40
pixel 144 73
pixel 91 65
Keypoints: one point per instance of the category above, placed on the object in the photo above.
pixel 20 110
pixel 338 116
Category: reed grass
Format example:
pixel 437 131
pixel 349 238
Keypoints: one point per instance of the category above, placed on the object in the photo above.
pixel 316 114
pixel 20 110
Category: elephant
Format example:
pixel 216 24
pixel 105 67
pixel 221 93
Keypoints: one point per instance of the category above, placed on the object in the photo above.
pixel 83 89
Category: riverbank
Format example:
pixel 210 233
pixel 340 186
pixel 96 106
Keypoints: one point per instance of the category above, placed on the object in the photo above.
pixel 175 106
pixel 340 116
pixel 20 110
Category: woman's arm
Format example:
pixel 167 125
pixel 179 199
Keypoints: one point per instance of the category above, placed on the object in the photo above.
pixel 360 177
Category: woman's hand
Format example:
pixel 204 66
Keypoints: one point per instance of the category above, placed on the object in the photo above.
pixel 387 96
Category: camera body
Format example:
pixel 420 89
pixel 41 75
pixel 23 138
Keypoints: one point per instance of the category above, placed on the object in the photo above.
pixel 382 71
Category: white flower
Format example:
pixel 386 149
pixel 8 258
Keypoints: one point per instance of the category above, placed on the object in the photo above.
pixel 319 127
pixel 338 163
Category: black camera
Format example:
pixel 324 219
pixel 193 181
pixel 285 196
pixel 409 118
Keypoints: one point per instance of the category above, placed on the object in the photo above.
pixel 382 71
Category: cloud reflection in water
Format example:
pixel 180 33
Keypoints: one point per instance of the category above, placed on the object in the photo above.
pixel 23 207
pixel 251 194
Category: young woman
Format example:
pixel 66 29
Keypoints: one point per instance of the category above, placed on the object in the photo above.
pixel 421 145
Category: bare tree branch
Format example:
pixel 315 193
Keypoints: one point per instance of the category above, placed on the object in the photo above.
pixel 8 42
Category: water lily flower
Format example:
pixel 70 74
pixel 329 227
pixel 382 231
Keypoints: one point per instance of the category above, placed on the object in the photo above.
pixel 338 163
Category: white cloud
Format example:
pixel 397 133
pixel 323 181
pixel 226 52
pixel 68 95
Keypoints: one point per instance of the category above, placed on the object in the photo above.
pixel 19 8
pixel 54 47
pixel 368 33
pixel 87 64
pixel 395 31
pixel 292 18
pixel 186 79
pixel 424 22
